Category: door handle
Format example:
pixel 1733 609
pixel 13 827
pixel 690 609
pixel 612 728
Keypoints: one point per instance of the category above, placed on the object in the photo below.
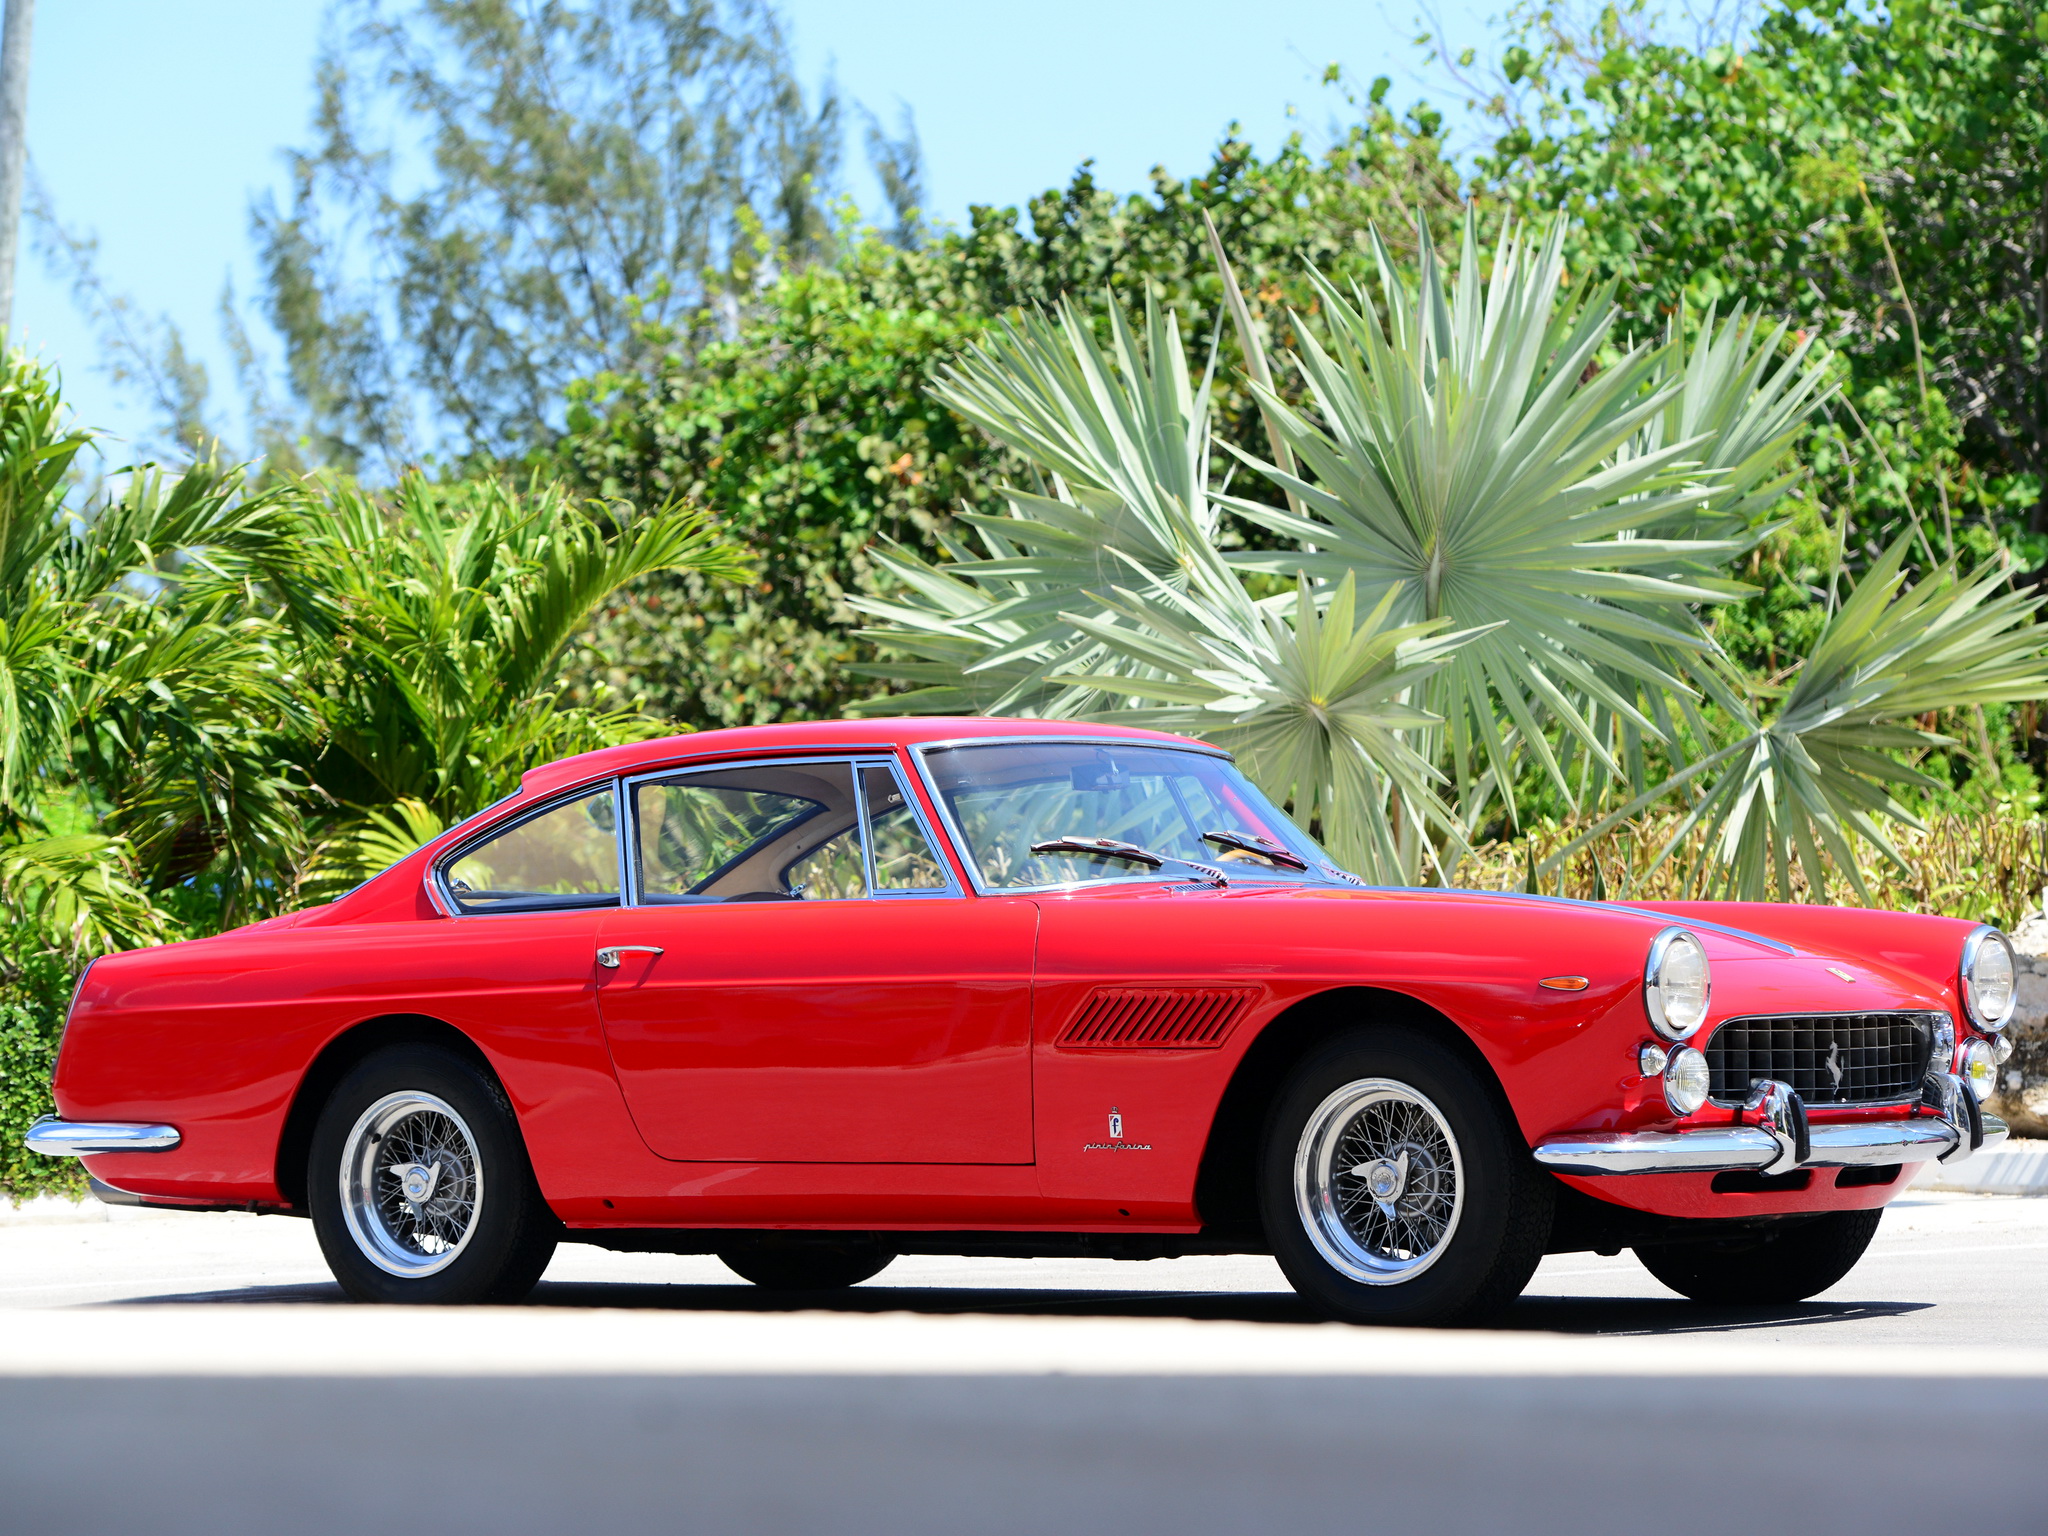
pixel 608 957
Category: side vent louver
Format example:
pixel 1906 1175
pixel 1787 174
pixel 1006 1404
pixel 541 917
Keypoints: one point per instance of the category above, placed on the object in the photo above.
pixel 1154 1018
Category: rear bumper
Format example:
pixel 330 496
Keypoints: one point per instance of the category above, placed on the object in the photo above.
pixel 1782 1140
pixel 79 1138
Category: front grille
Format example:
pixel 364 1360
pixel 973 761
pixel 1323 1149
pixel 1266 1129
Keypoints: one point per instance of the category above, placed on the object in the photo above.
pixel 1840 1058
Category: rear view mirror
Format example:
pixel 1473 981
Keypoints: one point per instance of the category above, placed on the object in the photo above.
pixel 1097 778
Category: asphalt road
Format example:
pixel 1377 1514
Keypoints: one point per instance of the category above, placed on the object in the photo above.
pixel 199 1373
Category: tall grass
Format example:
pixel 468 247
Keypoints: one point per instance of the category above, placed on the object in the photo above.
pixel 1990 867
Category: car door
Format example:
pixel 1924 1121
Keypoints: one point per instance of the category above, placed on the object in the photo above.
pixel 800 978
pixel 519 961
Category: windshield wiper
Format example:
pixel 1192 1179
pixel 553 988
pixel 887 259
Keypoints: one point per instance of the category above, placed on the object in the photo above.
pixel 1264 847
pixel 1111 848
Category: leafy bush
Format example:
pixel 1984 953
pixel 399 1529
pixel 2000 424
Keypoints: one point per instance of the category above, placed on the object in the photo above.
pixel 29 1027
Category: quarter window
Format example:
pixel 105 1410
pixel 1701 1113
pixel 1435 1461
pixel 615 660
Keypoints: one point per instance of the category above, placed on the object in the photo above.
pixel 904 857
pixel 565 858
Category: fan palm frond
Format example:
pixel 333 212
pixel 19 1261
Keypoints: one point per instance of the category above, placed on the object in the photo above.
pixel 1469 447
pixel 1312 696
pixel 1791 790
pixel 1120 436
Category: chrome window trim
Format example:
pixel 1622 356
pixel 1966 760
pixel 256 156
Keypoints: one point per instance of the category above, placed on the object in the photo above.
pixel 855 758
pixel 437 885
pixel 965 855
pixel 621 843
pixel 950 742
pixel 925 829
pixel 861 830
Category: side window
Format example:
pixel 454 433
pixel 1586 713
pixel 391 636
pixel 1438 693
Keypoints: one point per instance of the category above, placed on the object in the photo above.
pixel 776 832
pixel 563 859
pixel 904 859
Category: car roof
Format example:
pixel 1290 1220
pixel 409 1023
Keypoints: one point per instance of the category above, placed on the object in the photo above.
pixel 822 735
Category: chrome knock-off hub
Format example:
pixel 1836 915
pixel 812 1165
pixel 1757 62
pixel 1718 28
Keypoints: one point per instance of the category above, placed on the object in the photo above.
pixel 417 1180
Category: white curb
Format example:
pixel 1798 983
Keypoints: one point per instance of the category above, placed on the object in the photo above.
pixel 2017 1168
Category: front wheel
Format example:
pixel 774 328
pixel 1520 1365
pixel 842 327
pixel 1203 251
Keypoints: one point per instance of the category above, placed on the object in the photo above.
pixel 419 1186
pixel 1789 1266
pixel 1395 1189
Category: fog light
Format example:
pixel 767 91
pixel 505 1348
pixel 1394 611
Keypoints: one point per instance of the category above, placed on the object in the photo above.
pixel 1979 1068
pixel 1685 1080
pixel 1650 1060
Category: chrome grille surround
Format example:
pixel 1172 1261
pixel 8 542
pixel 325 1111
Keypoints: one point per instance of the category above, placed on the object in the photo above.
pixel 1826 1058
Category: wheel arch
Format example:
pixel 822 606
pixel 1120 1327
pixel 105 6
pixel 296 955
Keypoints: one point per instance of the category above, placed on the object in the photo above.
pixel 1226 1194
pixel 334 1062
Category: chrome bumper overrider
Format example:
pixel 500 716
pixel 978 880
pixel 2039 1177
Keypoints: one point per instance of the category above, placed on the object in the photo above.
pixel 74 1138
pixel 1777 1137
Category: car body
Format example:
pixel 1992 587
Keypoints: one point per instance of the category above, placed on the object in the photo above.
pixel 792 980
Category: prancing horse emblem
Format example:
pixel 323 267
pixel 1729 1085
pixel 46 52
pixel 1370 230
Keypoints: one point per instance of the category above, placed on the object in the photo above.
pixel 1116 1125
pixel 1834 1062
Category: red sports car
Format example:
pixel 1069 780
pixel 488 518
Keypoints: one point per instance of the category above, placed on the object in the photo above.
pixel 808 997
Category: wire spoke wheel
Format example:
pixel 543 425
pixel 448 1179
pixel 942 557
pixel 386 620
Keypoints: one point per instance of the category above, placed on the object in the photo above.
pixel 1379 1181
pixel 412 1184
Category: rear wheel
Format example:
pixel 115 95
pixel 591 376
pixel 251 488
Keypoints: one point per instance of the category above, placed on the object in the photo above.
pixel 1395 1189
pixel 799 1263
pixel 1789 1266
pixel 419 1185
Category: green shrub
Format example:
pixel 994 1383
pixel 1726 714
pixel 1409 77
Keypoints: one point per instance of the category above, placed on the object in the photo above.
pixel 28 1055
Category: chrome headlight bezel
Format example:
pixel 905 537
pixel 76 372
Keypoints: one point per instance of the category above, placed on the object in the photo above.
pixel 1977 1066
pixel 1687 1081
pixel 1974 950
pixel 1655 968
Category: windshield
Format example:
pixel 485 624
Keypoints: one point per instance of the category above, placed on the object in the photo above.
pixel 1004 798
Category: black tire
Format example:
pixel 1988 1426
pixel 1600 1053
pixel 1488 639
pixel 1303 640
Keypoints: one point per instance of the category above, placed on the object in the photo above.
pixel 1485 1236
pixel 1801 1261
pixel 508 1234
pixel 807 1264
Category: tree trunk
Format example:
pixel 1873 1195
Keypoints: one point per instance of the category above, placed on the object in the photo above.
pixel 14 36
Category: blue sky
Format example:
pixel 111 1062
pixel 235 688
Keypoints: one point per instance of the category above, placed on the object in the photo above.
pixel 152 123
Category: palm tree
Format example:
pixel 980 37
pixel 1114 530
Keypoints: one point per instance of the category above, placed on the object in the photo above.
pixel 129 680
pixel 1534 515
pixel 428 628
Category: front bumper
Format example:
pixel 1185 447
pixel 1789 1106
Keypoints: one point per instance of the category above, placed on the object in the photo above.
pixel 1778 1139
pixel 78 1138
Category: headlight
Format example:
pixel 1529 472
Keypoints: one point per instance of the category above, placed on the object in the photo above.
pixel 1685 1080
pixel 1676 984
pixel 1979 1068
pixel 1990 979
